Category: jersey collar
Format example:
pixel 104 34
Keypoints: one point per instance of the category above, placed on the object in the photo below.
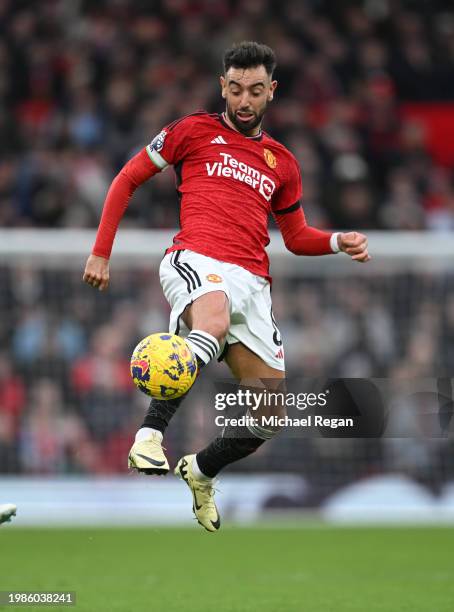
pixel 259 136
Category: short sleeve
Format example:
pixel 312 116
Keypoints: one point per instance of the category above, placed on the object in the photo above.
pixel 288 195
pixel 170 146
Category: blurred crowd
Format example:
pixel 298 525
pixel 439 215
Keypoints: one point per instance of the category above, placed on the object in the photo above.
pixel 68 404
pixel 84 85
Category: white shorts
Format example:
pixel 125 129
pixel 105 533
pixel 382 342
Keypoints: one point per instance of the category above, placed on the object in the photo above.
pixel 186 275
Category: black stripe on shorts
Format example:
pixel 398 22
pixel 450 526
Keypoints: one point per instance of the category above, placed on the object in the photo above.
pixel 184 275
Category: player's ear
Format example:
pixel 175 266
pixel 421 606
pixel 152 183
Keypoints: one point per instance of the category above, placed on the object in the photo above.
pixel 273 86
pixel 222 81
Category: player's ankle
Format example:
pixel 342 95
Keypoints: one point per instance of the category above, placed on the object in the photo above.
pixel 198 472
pixel 145 432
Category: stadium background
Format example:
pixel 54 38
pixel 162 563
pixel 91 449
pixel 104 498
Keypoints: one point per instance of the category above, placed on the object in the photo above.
pixel 366 103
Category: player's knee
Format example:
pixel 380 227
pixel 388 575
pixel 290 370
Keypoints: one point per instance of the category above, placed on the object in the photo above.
pixel 217 326
pixel 210 313
pixel 276 407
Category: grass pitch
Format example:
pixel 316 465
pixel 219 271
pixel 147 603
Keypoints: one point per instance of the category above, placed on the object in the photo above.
pixel 302 569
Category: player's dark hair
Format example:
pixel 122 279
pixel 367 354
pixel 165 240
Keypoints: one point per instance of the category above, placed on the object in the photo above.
pixel 249 54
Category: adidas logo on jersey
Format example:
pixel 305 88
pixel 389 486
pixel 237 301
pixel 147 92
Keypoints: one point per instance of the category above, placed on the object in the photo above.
pixel 218 140
pixel 280 354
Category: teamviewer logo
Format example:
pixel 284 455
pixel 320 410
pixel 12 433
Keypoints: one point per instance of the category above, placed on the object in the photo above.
pixel 240 171
pixel 266 187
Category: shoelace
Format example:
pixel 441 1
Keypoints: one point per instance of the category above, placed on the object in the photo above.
pixel 208 489
pixel 158 444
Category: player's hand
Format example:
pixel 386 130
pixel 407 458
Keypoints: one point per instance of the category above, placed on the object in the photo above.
pixel 355 245
pixel 96 272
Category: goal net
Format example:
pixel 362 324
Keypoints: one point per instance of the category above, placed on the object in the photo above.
pixel 67 404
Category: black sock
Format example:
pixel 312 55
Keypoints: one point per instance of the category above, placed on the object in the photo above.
pixel 223 451
pixel 161 411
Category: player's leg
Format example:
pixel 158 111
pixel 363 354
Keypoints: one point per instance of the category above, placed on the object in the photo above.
pixel 256 358
pixel 238 442
pixel 6 512
pixel 207 317
pixel 200 470
pixel 208 320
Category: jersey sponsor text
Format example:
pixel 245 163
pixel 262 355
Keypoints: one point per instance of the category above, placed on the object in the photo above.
pixel 229 166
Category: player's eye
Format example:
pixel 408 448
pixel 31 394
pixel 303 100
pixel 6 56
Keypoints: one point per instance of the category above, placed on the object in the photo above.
pixel 235 92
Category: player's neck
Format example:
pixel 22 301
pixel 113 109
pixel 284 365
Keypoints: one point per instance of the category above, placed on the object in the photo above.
pixel 254 132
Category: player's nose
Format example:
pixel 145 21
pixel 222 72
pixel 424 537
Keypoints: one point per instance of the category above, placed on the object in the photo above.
pixel 245 103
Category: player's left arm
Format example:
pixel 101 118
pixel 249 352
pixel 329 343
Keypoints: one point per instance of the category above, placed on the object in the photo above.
pixel 354 244
pixel 302 239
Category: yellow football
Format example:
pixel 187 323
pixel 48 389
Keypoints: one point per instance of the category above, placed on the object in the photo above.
pixel 163 366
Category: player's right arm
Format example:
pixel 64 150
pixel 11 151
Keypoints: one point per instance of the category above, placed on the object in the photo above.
pixel 96 272
pixel 138 170
pixel 169 147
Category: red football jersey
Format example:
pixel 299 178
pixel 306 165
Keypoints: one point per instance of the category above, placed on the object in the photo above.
pixel 228 184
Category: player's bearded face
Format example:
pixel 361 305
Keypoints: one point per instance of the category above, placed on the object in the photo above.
pixel 245 118
pixel 247 93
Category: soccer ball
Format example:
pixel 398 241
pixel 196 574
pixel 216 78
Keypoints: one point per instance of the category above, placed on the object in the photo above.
pixel 163 366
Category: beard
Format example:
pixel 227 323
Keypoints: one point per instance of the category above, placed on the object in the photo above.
pixel 245 126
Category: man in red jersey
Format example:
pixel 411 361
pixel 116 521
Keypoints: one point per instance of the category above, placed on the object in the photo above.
pixel 230 176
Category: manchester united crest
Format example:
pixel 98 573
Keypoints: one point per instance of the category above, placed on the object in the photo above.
pixel 214 278
pixel 270 158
